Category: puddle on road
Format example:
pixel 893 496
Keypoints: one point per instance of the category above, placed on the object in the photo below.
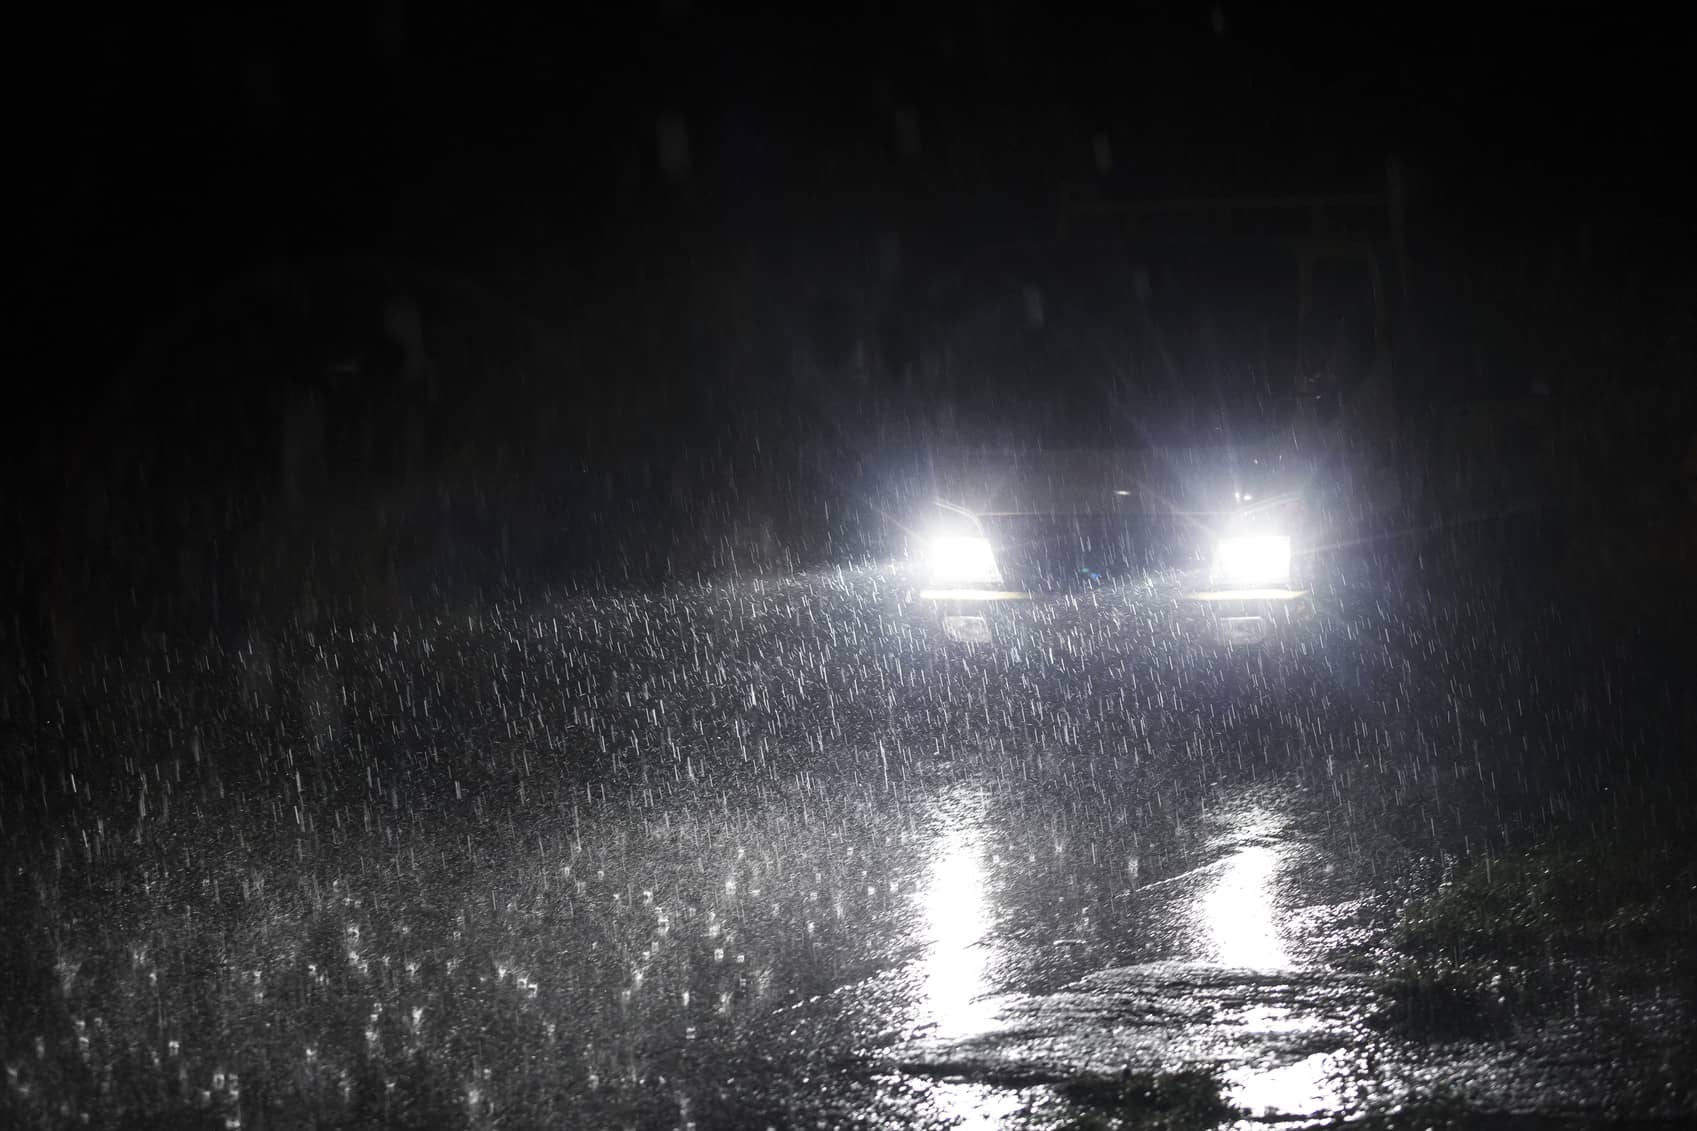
pixel 1239 913
pixel 975 1107
pixel 955 977
pixel 1312 1086
pixel 1232 996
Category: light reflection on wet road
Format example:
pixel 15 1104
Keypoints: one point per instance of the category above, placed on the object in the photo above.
pixel 958 926
pixel 1225 987
pixel 1240 914
pixel 808 878
pixel 1307 1087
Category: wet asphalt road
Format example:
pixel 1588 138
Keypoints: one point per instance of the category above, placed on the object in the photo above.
pixel 760 852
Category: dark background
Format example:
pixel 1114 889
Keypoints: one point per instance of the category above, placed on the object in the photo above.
pixel 216 203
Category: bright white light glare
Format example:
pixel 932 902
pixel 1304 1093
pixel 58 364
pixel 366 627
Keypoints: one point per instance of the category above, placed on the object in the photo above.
pixel 957 917
pixel 1257 560
pixel 1239 912
pixel 1305 1089
pixel 966 1106
pixel 963 558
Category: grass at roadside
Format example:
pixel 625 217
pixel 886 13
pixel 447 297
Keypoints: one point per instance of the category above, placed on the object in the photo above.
pixel 1575 921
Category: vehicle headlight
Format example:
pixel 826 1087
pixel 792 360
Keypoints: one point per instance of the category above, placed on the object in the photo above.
pixel 1257 560
pixel 959 557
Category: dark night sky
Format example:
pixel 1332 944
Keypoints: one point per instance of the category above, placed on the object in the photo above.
pixel 175 148
pixel 165 151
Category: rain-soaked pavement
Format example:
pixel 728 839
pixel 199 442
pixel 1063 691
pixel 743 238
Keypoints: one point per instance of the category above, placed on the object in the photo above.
pixel 759 852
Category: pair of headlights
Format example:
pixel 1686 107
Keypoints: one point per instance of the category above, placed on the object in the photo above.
pixel 1249 561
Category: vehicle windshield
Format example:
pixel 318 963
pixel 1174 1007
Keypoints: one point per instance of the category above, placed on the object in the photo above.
pixel 1160 344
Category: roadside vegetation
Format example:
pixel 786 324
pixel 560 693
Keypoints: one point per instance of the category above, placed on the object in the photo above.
pixel 1580 920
